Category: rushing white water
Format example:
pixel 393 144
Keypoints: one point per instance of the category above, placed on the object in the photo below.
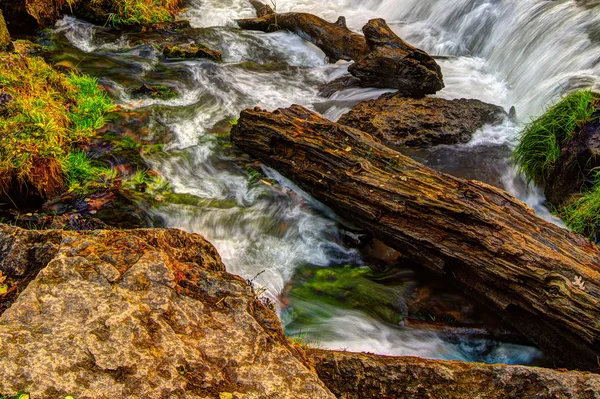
pixel 508 52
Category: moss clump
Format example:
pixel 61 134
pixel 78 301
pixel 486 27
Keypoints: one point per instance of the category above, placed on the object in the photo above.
pixel 48 116
pixel 542 139
pixel 156 92
pixel 140 12
pixel 583 214
pixel 5 43
pixel 115 12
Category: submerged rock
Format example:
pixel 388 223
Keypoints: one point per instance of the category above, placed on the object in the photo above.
pixel 423 122
pixel 191 50
pixel 157 92
pixel 391 63
pixel 140 314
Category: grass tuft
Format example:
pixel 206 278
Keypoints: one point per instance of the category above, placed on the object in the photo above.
pixel 49 115
pixel 583 215
pixel 542 139
pixel 141 12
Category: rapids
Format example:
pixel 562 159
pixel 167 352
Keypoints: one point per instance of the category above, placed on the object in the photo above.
pixel 521 53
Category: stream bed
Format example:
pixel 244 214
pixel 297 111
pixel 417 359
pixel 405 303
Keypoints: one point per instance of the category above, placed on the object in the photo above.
pixel 506 52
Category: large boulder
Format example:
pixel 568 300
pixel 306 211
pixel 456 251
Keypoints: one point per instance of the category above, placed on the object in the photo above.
pixel 139 314
pixel 403 121
pixel 391 63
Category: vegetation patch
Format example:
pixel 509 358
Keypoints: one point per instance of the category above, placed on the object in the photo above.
pixel 539 150
pixel 48 114
pixel 20 395
pixel 140 12
pixel 113 12
pixel 346 287
pixel 583 214
pixel 542 139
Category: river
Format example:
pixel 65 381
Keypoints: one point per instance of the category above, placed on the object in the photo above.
pixel 521 53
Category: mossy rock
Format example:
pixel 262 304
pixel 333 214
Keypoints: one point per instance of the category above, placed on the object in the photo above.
pixel 5 43
pixel 156 92
pixel 191 50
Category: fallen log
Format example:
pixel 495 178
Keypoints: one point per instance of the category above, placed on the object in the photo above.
pixel 334 39
pixel 365 376
pixel 540 278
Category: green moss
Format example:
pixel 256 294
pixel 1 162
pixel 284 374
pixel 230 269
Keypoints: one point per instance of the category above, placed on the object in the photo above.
pixel 141 12
pixel 542 139
pixel 4 36
pixel 20 395
pixel 81 173
pixel 49 115
pixel 346 287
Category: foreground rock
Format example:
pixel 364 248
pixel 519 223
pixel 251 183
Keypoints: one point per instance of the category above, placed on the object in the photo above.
pixel 423 122
pixel 5 42
pixel 139 314
pixel 363 376
pixel 154 314
pixel 392 63
pixel 542 279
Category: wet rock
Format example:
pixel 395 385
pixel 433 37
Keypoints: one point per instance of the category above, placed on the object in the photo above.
pixel 5 99
pixel 391 63
pixel 366 376
pixel 191 50
pixel 403 121
pixel 572 171
pixel 157 92
pixel 140 314
pixel 261 8
pixel 345 82
pixel 5 43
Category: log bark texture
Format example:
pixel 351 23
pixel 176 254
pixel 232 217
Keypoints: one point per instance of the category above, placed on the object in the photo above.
pixel 542 279
pixel 364 376
pixel 334 39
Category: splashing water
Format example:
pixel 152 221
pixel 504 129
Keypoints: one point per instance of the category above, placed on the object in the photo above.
pixel 523 53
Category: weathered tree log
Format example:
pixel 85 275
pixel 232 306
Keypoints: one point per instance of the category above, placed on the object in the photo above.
pixel 542 279
pixel 334 39
pixel 364 376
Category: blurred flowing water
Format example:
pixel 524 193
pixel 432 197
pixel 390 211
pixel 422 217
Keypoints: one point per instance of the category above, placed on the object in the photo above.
pixel 521 53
